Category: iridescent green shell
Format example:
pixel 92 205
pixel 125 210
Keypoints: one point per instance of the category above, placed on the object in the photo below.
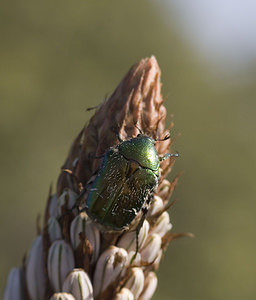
pixel 127 177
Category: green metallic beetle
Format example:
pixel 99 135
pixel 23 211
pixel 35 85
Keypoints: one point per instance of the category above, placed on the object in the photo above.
pixel 125 183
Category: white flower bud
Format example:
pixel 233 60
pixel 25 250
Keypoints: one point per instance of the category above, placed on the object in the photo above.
pixel 149 286
pixel 78 284
pixel 156 206
pixel 35 272
pixel 151 248
pixel 62 296
pixel 162 225
pixel 124 294
pixel 128 240
pixel 164 191
pixel 82 223
pixel 54 229
pixel 60 263
pixel 158 259
pixel 14 289
pixel 68 199
pixel 109 268
pixel 53 207
pixel 135 282
pixel 133 260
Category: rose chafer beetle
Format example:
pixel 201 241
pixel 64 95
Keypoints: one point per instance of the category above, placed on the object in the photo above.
pixel 125 183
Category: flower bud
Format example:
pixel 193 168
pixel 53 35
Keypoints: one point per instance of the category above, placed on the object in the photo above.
pixel 164 190
pixel 133 260
pixel 53 207
pixel 151 248
pixel 35 272
pixel 78 284
pixel 109 269
pixel 149 286
pixel 14 289
pixel 60 263
pixel 62 296
pixel 67 200
pixel 162 225
pixel 54 229
pixel 135 282
pixel 124 294
pixel 156 206
pixel 158 259
pixel 128 240
pixel 82 223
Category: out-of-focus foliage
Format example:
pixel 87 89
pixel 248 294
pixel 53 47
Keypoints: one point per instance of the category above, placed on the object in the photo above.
pixel 60 57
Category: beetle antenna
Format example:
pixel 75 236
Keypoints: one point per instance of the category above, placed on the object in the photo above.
pixel 167 155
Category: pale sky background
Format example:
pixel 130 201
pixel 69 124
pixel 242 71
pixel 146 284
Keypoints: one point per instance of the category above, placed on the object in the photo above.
pixel 222 31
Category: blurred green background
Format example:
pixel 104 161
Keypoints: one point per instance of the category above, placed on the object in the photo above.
pixel 60 57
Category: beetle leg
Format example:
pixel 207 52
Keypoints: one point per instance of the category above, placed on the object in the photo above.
pixel 113 129
pixel 69 172
pixel 167 137
pixel 140 131
pixel 75 206
pixel 142 219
